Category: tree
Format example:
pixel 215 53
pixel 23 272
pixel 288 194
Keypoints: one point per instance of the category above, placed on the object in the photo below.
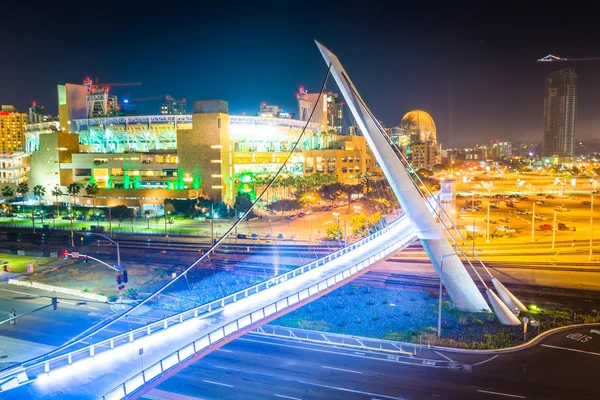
pixel 73 190
pixel 122 212
pixel 331 192
pixel 92 190
pixel 334 232
pixel 38 191
pixel 242 203
pixel 285 205
pixel 57 192
pixel 351 190
pixel 7 192
pixel 22 189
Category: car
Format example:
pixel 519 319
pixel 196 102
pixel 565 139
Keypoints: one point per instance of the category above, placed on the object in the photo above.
pixel 241 236
pixel 541 194
pixel 540 216
pixel 550 197
pixel 301 214
pixel 520 212
pixel 66 217
pixel 466 208
pixel 100 217
pixel 50 216
pixel 546 227
pixel 510 204
pixel 562 227
pixel 492 221
pixel 505 220
pixel 586 203
pixel 290 217
pixel 505 228
pixel 596 191
pixel 524 199
pixel 492 205
pixel 81 218
pixel 541 203
pixel 562 209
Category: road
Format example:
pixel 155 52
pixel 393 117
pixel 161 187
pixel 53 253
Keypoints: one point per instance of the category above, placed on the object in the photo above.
pixel 43 330
pixel 562 366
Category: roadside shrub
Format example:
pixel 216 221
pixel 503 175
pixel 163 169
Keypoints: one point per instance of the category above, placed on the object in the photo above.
pixel 112 298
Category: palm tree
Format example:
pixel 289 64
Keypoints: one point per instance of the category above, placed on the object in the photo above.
pixel 350 190
pixel 22 190
pixel 92 190
pixel 39 191
pixel 7 192
pixel 57 192
pixel 73 190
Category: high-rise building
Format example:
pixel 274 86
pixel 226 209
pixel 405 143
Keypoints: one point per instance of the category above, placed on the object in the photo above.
pixel 560 105
pixel 12 125
pixel 173 107
pixel 335 111
pixel 418 129
pixel 328 109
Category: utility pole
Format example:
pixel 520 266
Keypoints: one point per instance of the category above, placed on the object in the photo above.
pixel 487 232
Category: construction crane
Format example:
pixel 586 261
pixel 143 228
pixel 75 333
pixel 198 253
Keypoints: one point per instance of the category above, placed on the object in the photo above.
pixel 553 58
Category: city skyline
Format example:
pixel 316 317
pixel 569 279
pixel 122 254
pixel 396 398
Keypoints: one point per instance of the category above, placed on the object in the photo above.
pixel 470 74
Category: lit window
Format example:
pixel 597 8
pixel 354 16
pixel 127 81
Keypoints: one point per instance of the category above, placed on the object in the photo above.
pixel 216 146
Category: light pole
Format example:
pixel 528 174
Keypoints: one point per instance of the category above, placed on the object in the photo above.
pixel 439 330
pixel 112 241
pixel 336 215
pixel 212 224
pixel 166 216
pixel 554 230
pixel 533 223
pixel 591 226
pixel 148 221
pixel 488 186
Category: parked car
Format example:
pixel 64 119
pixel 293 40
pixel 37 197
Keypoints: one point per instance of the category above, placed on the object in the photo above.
pixel 66 217
pixel 494 205
pixel 290 217
pixel 50 216
pixel 562 227
pixel 492 221
pixel 100 217
pixel 540 216
pixel 550 197
pixel 505 220
pixel 505 228
pixel 81 218
pixel 510 204
pixel 540 194
pixel 546 227
pixel 466 208
pixel 585 203
pixel 541 203
pixel 596 191
pixel 562 209
pixel 520 212
pixel 241 236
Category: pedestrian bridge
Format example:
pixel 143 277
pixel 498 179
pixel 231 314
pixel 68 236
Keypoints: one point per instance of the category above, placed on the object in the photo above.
pixel 128 364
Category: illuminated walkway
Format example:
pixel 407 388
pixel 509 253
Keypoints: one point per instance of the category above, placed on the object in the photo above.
pixel 116 372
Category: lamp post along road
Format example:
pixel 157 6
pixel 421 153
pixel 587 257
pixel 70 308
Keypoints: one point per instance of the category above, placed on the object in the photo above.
pixel 554 230
pixel 112 241
pixel 533 223
pixel 591 226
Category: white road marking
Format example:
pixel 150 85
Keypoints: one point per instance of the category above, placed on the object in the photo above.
pixel 341 369
pixel 277 343
pixel 226 351
pixel 23 293
pixel 217 383
pixel 286 397
pixel 502 394
pixel 93 308
pixel 441 355
pixel 575 350
pixel 484 361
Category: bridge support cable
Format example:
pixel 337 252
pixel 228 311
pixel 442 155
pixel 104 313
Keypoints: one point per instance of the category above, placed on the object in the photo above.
pixel 459 284
pixel 509 302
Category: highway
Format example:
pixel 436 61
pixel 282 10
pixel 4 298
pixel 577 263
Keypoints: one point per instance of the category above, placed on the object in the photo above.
pixel 563 366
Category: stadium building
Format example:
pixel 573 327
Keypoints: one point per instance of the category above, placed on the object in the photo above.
pixel 142 160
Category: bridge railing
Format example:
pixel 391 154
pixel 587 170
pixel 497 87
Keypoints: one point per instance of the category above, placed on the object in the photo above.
pixel 46 364
pixel 186 352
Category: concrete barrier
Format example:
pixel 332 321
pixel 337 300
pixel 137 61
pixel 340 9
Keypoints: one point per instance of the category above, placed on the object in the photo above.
pixel 58 289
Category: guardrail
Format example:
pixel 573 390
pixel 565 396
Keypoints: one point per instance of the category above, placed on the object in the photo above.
pixel 186 352
pixel 69 357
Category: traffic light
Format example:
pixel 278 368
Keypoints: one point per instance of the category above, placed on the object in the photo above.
pixel 65 255
pixel 54 304
pixel 125 278
pixel 84 258
pixel 119 279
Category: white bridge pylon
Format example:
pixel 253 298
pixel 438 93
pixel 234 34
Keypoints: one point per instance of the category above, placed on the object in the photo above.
pixel 459 285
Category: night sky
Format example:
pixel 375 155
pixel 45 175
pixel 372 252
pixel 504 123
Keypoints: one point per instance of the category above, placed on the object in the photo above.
pixel 472 66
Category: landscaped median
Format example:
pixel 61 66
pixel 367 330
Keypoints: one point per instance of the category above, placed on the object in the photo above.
pixel 58 289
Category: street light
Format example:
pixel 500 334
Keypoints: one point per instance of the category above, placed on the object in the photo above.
pixel 336 215
pixel 166 216
pixel 112 241
pixel 212 224
pixel 148 220
pixel 488 186
pixel 591 225
pixel 439 330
